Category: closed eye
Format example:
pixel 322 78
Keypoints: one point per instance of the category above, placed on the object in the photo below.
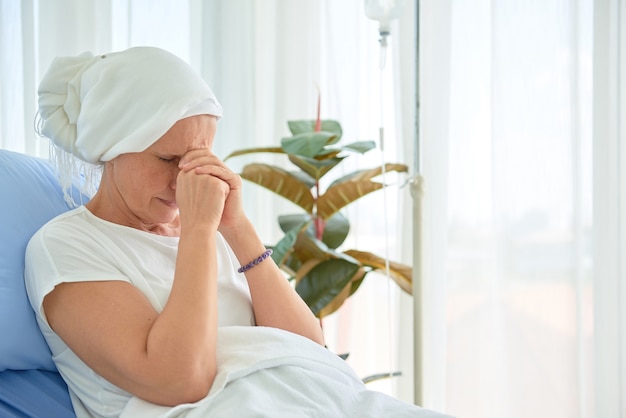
pixel 168 158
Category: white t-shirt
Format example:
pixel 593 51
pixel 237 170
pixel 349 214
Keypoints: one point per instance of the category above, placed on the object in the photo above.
pixel 78 246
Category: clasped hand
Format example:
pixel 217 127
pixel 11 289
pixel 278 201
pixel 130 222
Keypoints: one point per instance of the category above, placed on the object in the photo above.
pixel 207 191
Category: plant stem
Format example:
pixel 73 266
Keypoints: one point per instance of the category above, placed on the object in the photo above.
pixel 317 221
pixel 318 120
pixel 319 227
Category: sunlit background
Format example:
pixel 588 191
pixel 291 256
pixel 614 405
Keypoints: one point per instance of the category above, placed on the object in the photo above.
pixel 524 174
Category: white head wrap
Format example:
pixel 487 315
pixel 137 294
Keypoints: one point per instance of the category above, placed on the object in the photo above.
pixel 98 107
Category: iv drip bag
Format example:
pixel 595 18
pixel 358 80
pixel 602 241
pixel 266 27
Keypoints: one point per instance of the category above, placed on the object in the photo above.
pixel 384 11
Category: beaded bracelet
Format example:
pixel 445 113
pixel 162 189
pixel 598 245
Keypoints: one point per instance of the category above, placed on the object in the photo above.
pixel 254 262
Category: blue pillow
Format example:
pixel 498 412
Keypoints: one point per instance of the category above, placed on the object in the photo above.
pixel 30 195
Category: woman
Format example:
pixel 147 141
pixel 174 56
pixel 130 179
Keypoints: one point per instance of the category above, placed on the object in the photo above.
pixel 136 291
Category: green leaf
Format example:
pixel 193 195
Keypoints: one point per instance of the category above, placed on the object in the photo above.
pixel 345 293
pixel 398 272
pixel 336 230
pixel 371 173
pixel 360 146
pixel 333 126
pixel 325 281
pixel 280 182
pixel 313 167
pixel 289 222
pixel 308 247
pixel 291 265
pixel 341 195
pixel 275 150
pixel 284 247
pixel 354 286
pixel 307 144
pixel 304 178
pixel 297 127
pixel 350 188
pixel 301 126
pixel 327 153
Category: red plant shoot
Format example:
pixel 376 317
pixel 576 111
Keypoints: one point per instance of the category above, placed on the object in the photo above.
pixel 318 222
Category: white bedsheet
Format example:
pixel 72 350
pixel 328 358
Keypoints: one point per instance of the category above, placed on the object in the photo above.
pixel 266 372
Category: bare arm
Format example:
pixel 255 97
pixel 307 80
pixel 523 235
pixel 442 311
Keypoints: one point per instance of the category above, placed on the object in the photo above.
pixel 165 358
pixel 274 300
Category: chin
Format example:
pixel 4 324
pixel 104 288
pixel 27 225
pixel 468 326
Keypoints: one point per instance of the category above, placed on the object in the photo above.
pixel 171 217
pixel 165 216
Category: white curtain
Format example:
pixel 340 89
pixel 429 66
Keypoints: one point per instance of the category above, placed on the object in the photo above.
pixel 524 149
pixel 609 181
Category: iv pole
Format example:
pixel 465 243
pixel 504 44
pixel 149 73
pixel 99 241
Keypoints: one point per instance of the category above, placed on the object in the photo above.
pixel 417 193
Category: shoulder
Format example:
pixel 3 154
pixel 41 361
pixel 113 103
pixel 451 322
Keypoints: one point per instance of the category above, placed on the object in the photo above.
pixel 73 234
pixel 69 218
pixel 67 226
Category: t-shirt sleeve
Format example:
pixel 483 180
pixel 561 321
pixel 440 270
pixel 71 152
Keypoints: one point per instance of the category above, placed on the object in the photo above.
pixel 57 254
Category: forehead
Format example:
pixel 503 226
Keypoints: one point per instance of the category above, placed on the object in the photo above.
pixel 195 132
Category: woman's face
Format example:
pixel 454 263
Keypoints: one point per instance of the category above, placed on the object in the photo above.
pixel 144 183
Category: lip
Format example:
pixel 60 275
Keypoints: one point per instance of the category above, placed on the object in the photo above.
pixel 170 203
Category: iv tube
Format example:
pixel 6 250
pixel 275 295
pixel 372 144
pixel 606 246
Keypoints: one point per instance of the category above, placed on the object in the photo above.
pixel 381 137
pixel 383 49
pixel 384 11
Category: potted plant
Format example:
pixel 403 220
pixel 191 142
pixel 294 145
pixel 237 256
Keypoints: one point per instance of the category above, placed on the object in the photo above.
pixel 309 251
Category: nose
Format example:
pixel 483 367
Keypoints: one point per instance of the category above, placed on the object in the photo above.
pixel 174 178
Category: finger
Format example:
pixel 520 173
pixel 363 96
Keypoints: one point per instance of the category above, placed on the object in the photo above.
pixel 221 172
pixel 197 158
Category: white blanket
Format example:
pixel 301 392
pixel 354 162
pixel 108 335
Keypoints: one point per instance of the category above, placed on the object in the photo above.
pixel 266 372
